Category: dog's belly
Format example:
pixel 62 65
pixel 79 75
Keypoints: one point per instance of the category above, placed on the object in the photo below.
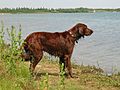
pixel 56 51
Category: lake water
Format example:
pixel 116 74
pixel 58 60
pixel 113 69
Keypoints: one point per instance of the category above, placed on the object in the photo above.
pixel 102 48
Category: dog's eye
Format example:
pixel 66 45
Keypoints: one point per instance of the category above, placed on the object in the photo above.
pixel 85 28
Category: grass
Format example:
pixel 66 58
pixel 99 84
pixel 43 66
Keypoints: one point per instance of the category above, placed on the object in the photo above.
pixel 15 75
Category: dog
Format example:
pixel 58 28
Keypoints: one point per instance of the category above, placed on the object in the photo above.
pixel 60 44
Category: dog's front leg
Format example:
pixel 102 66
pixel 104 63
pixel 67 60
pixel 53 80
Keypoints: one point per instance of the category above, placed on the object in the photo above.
pixel 68 65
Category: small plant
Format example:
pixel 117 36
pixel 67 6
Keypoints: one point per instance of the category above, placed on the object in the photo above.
pixel 44 83
pixel 2 35
pixel 2 43
pixel 12 54
pixel 16 74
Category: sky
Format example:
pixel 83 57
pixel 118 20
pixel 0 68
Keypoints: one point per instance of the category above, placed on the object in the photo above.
pixel 60 3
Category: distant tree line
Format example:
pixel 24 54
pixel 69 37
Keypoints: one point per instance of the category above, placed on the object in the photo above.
pixel 51 10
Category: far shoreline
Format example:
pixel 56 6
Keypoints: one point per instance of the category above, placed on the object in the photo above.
pixel 51 10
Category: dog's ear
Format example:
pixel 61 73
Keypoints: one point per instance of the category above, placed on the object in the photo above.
pixel 79 28
pixel 81 31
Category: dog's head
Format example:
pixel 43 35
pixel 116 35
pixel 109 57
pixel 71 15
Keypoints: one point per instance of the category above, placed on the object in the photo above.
pixel 83 29
pixel 80 30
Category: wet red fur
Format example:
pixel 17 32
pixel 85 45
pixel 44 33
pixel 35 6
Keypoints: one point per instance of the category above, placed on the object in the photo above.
pixel 59 44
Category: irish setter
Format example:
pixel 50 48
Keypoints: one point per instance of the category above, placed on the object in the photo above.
pixel 59 44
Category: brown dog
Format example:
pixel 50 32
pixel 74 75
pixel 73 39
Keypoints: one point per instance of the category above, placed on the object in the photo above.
pixel 59 44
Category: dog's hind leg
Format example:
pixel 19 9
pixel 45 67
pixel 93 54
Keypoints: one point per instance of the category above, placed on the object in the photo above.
pixel 37 54
pixel 36 58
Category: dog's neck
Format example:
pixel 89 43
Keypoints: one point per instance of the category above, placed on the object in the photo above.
pixel 76 37
pixel 72 34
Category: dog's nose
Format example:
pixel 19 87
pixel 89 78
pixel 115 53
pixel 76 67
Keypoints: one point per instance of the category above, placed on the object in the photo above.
pixel 91 31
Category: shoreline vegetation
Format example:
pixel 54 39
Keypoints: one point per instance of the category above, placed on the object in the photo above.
pixel 15 75
pixel 59 10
